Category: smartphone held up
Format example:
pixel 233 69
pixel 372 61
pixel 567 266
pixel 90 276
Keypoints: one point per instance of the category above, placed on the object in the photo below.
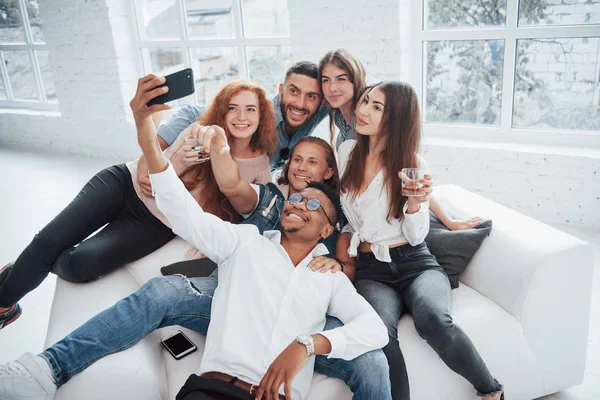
pixel 180 84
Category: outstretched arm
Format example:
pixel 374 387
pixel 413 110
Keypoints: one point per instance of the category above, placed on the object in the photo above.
pixel 240 193
pixel 208 233
pixel 451 223
pixel 142 169
pixel 146 130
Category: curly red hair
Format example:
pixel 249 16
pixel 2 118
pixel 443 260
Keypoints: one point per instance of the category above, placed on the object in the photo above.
pixel 263 140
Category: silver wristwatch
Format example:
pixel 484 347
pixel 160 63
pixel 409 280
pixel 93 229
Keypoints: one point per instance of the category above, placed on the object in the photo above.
pixel 308 341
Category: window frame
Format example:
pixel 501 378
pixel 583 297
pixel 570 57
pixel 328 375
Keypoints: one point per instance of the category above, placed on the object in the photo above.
pixel 10 103
pixel 510 33
pixel 185 44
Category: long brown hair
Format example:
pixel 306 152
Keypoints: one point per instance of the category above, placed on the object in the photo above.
pixel 401 130
pixel 263 140
pixel 333 182
pixel 351 65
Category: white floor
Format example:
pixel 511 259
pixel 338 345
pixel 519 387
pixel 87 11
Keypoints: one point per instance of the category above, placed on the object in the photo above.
pixel 35 187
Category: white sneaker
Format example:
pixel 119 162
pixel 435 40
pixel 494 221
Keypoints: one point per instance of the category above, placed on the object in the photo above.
pixel 27 378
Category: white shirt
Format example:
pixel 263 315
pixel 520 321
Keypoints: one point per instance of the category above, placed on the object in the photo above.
pixel 367 215
pixel 263 302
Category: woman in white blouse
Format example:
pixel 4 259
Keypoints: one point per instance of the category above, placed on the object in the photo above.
pixel 383 244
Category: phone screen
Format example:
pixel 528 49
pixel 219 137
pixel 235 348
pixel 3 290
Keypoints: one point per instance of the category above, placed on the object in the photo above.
pixel 178 344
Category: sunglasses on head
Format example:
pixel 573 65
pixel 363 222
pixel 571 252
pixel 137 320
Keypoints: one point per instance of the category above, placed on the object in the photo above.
pixel 311 204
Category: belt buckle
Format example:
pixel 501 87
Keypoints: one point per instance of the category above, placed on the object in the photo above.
pixel 253 388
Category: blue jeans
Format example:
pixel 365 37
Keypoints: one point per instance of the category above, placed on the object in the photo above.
pixel 175 300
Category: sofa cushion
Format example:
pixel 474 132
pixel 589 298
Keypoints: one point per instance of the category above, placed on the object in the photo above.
pixel 139 369
pixel 498 338
pixel 454 249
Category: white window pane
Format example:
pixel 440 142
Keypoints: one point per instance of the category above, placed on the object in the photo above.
pixel 208 19
pixel 2 89
pixel 267 65
pixel 47 80
pixel 35 21
pixel 213 68
pixel 464 81
pixel 464 13
pixel 556 84
pixel 11 23
pixel 164 61
pixel 20 73
pixel 558 12
pixel 159 19
pixel 265 18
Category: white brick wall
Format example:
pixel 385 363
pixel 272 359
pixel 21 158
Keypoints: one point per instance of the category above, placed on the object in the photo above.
pixel 553 188
pixel 368 29
pixel 550 187
pixel 95 69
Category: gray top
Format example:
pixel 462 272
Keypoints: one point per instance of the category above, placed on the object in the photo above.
pixel 347 131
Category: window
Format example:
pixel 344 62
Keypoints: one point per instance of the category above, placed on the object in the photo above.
pixel 25 74
pixel 221 40
pixel 509 68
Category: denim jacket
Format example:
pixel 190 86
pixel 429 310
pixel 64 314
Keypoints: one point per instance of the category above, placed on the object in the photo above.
pixel 267 214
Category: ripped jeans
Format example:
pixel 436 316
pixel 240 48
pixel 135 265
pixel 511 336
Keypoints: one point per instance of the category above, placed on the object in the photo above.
pixel 175 300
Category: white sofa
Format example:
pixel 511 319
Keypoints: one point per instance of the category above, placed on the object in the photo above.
pixel 524 301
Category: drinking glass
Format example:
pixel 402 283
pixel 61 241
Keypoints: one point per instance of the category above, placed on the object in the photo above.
pixel 410 181
pixel 197 145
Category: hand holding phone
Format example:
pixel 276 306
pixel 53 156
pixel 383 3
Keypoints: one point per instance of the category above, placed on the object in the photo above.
pixel 179 345
pixel 180 84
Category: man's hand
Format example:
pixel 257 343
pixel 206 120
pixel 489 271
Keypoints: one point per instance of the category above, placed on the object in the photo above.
pixel 156 118
pixel 324 264
pixel 283 370
pixel 147 89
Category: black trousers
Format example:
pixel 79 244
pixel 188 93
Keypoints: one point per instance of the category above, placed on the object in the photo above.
pixel 108 200
pixel 199 388
pixel 414 282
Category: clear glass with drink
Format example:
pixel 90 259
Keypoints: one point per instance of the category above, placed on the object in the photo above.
pixel 195 144
pixel 411 184
pixel 192 141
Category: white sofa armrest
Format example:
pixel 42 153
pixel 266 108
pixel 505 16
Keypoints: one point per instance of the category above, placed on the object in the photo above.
pixel 540 275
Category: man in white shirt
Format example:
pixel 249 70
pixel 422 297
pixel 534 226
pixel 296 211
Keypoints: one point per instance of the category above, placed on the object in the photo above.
pixel 269 350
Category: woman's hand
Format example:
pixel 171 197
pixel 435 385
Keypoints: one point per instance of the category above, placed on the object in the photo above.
pixel 414 202
pixel 324 264
pixel 341 253
pixel 462 224
pixel 210 137
pixel 214 140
